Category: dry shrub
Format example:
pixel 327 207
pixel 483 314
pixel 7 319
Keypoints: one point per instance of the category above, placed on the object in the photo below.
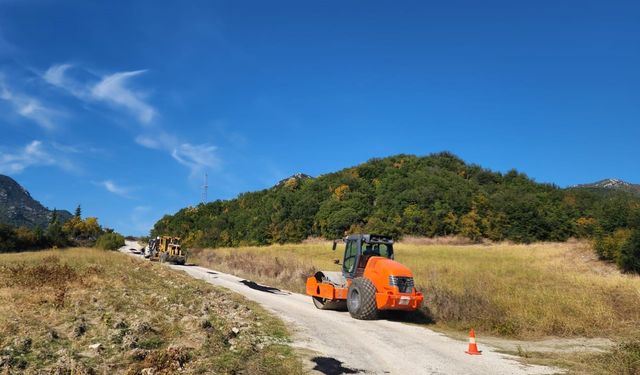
pixel 60 295
pixel 290 272
pixel 94 269
pixel 168 361
pixel 624 359
pixel 315 240
pixel 52 259
pixel 40 275
pixel 444 240
pixel 49 275
pixel 624 311
pixel 66 364
pixel 470 308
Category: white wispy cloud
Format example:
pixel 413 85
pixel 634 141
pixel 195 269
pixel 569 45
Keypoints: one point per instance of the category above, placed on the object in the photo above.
pixel 34 110
pixel 159 140
pixel 149 142
pixel 83 149
pixel 33 154
pixel 196 157
pixel 114 188
pixel 29 107
pixel 112 89
pixel 55 75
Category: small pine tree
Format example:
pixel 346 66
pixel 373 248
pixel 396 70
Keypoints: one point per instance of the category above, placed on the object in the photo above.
pixel 629 259
pixel 78 213
pixel 55 235
pixel 54 217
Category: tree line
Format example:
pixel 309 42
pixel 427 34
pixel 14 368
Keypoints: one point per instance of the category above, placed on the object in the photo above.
pixel 73 232
pixel 434 195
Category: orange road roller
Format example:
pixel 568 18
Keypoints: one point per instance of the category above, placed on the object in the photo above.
pixel 370 281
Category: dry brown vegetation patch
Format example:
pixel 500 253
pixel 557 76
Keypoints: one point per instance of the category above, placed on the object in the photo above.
pixel 292 272
pixel 84 311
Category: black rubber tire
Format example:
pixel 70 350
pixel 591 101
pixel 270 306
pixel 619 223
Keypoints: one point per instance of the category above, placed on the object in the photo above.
pixel 325 304
pixel 361 299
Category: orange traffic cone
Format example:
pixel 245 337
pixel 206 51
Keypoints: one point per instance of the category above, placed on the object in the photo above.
pixel 473 348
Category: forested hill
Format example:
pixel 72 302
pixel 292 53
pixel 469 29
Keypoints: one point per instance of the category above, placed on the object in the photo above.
pixel 435 195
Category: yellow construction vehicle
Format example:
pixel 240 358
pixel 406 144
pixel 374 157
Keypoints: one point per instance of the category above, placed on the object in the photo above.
pixel 167 249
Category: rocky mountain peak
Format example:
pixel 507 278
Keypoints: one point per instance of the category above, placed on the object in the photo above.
pixel 611 184
pixel 18 208
pixel 297 176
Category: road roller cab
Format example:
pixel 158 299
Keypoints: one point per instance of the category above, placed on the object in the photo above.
pixel 370 280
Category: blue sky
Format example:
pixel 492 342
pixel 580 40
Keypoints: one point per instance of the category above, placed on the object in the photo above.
pixel 122 106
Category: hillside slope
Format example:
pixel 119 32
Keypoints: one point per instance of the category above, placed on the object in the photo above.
pixel 19 209
pixel 434 195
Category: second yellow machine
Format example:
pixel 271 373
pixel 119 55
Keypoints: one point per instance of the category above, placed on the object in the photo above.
pixel 166 249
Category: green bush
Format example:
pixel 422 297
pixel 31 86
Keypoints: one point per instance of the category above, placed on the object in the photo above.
pixel 110 241
pixel 23 239
pixel 629 258
pixel 56 235
pixel 609 247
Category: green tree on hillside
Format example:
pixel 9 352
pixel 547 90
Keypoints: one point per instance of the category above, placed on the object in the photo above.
pixel 470 226
pixel 54 216
pixel 56 235
pixel 629 259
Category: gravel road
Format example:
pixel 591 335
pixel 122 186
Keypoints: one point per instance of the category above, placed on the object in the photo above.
pixel 337 344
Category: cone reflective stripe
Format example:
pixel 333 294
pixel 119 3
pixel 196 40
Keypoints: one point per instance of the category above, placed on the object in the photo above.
pixel 473 348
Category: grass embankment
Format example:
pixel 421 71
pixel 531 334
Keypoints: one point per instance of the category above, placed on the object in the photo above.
pixel 520 291
pixel 84 311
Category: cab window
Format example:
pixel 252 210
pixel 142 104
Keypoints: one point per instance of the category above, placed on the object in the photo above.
pixel 378 250
pixel 385 250
pixel 350 253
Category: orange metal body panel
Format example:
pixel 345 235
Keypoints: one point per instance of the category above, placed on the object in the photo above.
pixel 389 297
pixel 399 301
pixel 324 290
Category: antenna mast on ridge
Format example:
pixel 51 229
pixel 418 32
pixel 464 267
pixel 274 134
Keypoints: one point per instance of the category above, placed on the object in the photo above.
pixel 205 188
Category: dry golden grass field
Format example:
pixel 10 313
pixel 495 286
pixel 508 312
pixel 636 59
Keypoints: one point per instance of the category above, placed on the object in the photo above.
pixel 522 291
pixel 85 311
pixel 527 292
